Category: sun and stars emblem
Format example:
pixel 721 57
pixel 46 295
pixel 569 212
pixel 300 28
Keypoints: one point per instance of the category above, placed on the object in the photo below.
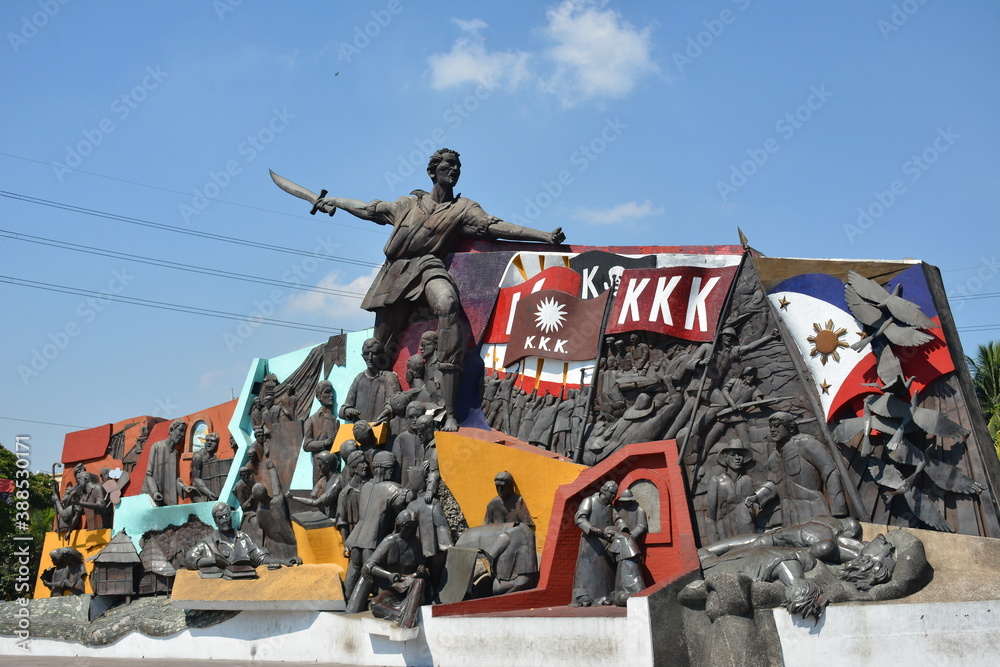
pixel 825 344
pixel 550 315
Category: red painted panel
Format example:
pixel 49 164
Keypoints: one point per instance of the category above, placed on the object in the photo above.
pixel 85 445
pixel 666 558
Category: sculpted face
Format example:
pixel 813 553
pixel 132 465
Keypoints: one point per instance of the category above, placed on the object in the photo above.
pixel 223 519
pixel 779 431
pixel 324 394
pixel 370 353
pixel 734 459
pixel 212 444
pixel 447 171
pixel 427 347
pixel 177 432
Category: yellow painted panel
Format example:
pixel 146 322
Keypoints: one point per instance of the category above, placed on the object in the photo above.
pixel 320 545
pixel 87 542
pixel 303 582
pixel 468 466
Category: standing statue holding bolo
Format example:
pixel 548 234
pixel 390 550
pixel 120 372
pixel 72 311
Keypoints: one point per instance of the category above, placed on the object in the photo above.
pixel 426 228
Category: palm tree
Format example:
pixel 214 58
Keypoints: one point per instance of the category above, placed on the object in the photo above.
pixel 985 369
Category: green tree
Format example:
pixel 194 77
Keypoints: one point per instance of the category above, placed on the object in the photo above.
pixel 39 499
pixel 985 369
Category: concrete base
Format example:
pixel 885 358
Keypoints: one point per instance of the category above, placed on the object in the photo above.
pixel 942 634
pixel 359 639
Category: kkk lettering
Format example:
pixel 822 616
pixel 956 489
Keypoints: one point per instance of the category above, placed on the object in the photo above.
pixel 683 301
pixel 557 278
pixel 553 325
pixel 599 270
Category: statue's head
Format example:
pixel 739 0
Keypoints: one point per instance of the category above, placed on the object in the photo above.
pixel 178 428
pixel 874 566
pixel 804 598
pixel 414 369
pixel 609 490
pixel 371 352
pixel 782 426
pixel 444 167
pixel 324 393
pixel 357 464
pixel 406 524
pixel 212 442
pixel 364 434
pixel 414 411
pixel 382 464
pixel 326 461
pixel 428 344
pixel 425 428
pixel 504 482
pixel 222 513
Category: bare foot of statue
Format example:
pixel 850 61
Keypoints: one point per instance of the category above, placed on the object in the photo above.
pixel 450 424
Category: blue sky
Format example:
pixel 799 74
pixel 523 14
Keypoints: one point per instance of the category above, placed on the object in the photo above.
pixel 851 129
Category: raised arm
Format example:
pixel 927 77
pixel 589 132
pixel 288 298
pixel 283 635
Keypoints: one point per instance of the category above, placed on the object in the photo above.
pixel 501 229
pixel 377 211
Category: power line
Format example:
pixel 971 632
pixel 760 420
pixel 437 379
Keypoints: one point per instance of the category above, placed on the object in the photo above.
pixel 968 297
pixel 21 282
pixel 175 265
pixel 179 230
pixel 35 421
pixel 376 230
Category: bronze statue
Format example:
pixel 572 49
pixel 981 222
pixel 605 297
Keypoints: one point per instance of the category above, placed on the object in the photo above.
pixel 372 387
pixel 594 578
pixel 426 227
pixel 206 471
pixel 230 549
pixel 432 527
pixel 399 563
pixel 508 505
pixel 348 510
pixel 321 427
pixel 726 512
pixel 162 482
pixel 408 447
pixel 67 574
pixel 380 500
pixel 327 490
pixel 273 516
pixel 803 475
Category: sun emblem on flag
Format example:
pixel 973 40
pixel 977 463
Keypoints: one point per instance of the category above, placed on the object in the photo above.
pixel 550 315
pixel 826 342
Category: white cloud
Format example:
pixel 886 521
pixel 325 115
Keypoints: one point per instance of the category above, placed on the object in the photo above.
pixel 627 212
pixel 340 311
pixel 597 54
pixel 469 61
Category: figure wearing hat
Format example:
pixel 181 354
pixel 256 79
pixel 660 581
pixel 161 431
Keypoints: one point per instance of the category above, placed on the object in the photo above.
pixel 803 475
pixel 726 512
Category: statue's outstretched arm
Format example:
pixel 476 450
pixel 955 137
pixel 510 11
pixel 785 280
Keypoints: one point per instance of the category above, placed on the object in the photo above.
pixel 501 229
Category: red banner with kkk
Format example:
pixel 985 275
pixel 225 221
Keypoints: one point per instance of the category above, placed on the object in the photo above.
pixel 680 301
pixel 553 325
